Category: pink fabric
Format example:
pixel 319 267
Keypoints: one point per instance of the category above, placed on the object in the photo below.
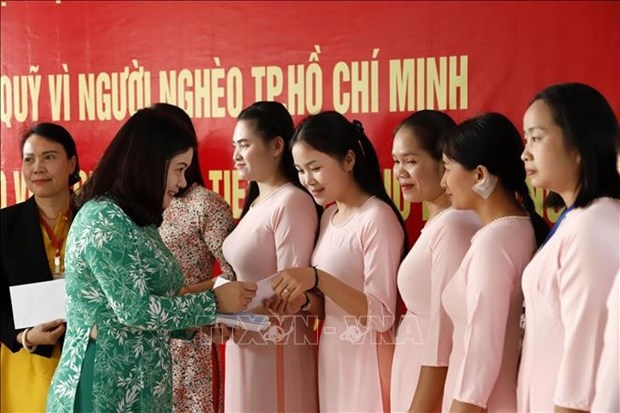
pixel 194 228
pixel 363 252
pixel 566 287
pixel 276 234
pixel 607 396
pixel 484 302
pixel 425 331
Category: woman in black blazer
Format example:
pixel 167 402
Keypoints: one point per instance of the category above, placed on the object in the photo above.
pixel 32 235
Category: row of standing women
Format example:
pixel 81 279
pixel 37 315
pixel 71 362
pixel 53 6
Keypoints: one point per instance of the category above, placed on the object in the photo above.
pixel 464 282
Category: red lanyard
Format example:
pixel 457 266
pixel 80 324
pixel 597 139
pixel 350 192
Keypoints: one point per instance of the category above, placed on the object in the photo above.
pixel 57 243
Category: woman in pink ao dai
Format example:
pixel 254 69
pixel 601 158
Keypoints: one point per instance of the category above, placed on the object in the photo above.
pixel 484 173
pixel 570 131
pixel 360 245
pixel 425 332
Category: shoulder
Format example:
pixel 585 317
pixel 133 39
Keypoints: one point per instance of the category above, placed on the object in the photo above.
pixel 17 217
pixel 504 231
pixel 102 210
pixel 16 210
pixel 596 224
pixel 377 214
pixel 292 193
pixel 199 195
pixel 599 214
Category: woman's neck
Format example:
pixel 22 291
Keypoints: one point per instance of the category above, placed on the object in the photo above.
pixel 51 207
pixel 499 205
pixel 351 201
pixel 437 205
pixel 269 186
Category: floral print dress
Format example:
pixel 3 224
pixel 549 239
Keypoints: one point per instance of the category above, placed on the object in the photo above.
pixel 194 228
pixel 122 278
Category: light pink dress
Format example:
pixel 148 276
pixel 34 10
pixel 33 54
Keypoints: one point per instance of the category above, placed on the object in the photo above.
pixel 484 302
pixel 262 376
pixel 422 276
pixel 607 396
pixel 566 287
pixel 194 227
pixel 354 360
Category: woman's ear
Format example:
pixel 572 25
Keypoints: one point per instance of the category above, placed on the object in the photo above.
pixel 349 161
pixel 278 146
pixel 481 173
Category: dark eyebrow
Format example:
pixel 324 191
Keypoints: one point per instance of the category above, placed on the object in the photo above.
pixel 44 153
pixel 529 130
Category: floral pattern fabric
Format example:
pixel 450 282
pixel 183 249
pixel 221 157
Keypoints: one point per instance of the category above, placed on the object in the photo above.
pixel 122 278
pixel 194 228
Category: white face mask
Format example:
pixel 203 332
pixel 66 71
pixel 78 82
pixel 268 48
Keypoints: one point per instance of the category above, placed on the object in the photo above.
pixel 485 187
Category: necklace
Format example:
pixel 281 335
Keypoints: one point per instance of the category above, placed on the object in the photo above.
pixel 56 242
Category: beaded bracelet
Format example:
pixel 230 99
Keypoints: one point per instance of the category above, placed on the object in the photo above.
pixel 25 340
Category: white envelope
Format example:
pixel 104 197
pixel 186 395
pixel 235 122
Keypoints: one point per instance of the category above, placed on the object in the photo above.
pixel 38 303
pixel 263 290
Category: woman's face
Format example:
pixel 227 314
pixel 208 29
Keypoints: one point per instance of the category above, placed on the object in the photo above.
pixel 418 174
pixel 458 181
pixel 255 159
pixel 325 177
pixel 46 166
pixel 175 178
pixel 549 162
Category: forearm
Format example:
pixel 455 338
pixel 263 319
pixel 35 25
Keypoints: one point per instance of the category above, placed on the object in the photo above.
pixel 348 298
pixel 428 396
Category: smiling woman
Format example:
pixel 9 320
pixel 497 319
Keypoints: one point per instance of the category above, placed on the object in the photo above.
pixel 33 249
pixel 122 282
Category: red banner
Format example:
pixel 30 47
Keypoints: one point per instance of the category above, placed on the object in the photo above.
pixel 90 65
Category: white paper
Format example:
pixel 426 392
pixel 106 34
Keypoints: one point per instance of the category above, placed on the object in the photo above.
pixel 263 290
pixel 38 303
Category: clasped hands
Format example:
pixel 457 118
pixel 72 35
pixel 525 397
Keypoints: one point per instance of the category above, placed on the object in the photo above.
pixel 289 287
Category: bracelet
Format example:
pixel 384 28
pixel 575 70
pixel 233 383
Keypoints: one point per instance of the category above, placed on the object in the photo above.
pixel 316 277
pixel 25 340
pixel 307 304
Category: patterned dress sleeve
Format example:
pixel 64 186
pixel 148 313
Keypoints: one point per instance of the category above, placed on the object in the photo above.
pixel 490 280
pixel 382 239
pixel 216 223
pixel 113 248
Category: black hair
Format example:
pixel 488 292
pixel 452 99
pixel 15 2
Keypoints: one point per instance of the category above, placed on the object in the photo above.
pixel 331 133
pixel 58 134
pixel 270 120
pixel 491 140
pixel 133 169
pixel 429 127
pixel 589 126
pixel 193 174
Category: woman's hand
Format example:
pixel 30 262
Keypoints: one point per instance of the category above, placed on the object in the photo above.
pixel 46 333
pixel 234 296
pixel 291 284
pixel 283 307
pixel 197 287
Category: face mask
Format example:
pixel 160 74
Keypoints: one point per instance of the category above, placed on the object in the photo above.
pixel 485 187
